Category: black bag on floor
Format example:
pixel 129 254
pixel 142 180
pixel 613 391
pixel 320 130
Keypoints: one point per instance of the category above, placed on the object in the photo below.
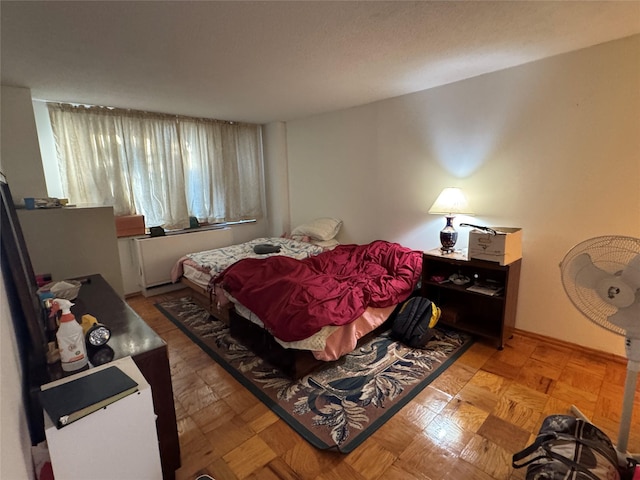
pixel 414 322
pixel 568 448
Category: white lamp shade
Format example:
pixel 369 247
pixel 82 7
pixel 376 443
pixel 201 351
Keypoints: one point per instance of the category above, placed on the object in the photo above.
pixel 451 201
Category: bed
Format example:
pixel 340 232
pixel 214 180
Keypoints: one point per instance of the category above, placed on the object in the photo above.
pixel 306 304
pixel 196 270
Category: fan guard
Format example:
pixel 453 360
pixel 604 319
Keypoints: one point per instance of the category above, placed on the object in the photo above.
pixel 611 254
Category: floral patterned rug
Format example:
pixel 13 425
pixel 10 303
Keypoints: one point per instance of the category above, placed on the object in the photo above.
pixel 338 406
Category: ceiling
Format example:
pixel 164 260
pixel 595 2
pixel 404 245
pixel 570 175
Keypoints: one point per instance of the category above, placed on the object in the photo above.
pixel 271 60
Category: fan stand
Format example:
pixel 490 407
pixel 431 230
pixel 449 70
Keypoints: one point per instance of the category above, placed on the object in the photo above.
pixel 633 368
pixel 600 275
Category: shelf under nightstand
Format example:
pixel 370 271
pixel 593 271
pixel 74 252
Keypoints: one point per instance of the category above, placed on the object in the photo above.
pixel 488 316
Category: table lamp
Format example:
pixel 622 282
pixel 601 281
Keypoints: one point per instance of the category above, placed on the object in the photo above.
pixel 450 202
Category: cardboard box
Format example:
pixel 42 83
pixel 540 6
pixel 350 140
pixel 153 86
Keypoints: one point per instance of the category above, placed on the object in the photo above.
pixel 130 225
pixel 505 247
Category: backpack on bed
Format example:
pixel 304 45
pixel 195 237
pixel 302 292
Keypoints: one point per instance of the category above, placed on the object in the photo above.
pixel 414 322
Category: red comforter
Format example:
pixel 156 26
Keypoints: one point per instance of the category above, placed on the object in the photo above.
pixel 296 298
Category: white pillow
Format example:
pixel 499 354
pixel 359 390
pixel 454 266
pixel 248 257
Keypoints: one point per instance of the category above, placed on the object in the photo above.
pixel 324 228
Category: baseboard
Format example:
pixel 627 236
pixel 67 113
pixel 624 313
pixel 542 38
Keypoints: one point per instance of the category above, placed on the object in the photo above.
pixel 605 356
pixel 160 289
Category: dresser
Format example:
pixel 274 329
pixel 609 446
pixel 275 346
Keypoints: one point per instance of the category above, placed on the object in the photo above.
pixel 132 337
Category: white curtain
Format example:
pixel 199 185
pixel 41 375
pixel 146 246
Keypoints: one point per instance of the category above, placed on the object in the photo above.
pixel 91 157
pixel 223 177
pixel 164 167
pixel 155 169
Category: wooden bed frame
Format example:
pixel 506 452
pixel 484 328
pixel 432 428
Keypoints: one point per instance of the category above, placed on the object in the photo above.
pixel 206 299
pixel 292 362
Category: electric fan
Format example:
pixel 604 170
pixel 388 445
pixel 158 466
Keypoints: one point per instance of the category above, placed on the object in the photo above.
pixel 601 277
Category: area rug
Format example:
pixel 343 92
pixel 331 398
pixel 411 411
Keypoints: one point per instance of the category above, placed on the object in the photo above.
pixel 336 407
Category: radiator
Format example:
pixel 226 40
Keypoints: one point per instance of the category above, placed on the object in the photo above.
pixel 158 255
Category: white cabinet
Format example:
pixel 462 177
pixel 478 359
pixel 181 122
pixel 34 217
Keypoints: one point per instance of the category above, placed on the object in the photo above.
pixel 118 441
pixel 158 255
pixel 129 265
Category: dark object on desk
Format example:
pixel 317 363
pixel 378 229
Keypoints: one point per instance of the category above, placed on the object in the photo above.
pixel 100 355
pixel 77 398
pixel 96 334
pixel 488 230
pixel 156 232
pixel 264 248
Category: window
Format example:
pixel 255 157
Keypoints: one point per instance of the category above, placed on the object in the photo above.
pixel 164 167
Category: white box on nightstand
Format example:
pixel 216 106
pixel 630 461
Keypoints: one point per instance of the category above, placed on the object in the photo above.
pixel 117 441
pixel 504 247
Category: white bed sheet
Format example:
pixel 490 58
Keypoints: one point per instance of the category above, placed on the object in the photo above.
pixel 197 276
pixel 216 260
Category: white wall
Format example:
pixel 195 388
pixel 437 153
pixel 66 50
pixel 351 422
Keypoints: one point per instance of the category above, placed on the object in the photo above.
pixel 20 150
pixel 276 178
pixel 551 146
pixel 335 171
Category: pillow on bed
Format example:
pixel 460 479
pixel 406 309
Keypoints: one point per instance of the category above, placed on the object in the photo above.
pixel 324 228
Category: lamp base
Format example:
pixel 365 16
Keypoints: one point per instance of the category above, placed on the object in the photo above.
pixel 448 236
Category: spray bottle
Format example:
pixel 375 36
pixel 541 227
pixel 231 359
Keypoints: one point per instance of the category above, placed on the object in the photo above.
pixel 70 336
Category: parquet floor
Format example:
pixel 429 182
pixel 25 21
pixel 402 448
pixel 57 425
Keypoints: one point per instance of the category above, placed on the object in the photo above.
pixel 465 425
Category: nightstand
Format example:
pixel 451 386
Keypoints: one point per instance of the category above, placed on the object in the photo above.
pixel 489 312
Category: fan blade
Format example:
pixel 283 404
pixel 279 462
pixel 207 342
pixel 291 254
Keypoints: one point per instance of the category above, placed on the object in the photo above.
pixel 628 318
pixel 610 288
pixel 585 273
pixel 631 273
